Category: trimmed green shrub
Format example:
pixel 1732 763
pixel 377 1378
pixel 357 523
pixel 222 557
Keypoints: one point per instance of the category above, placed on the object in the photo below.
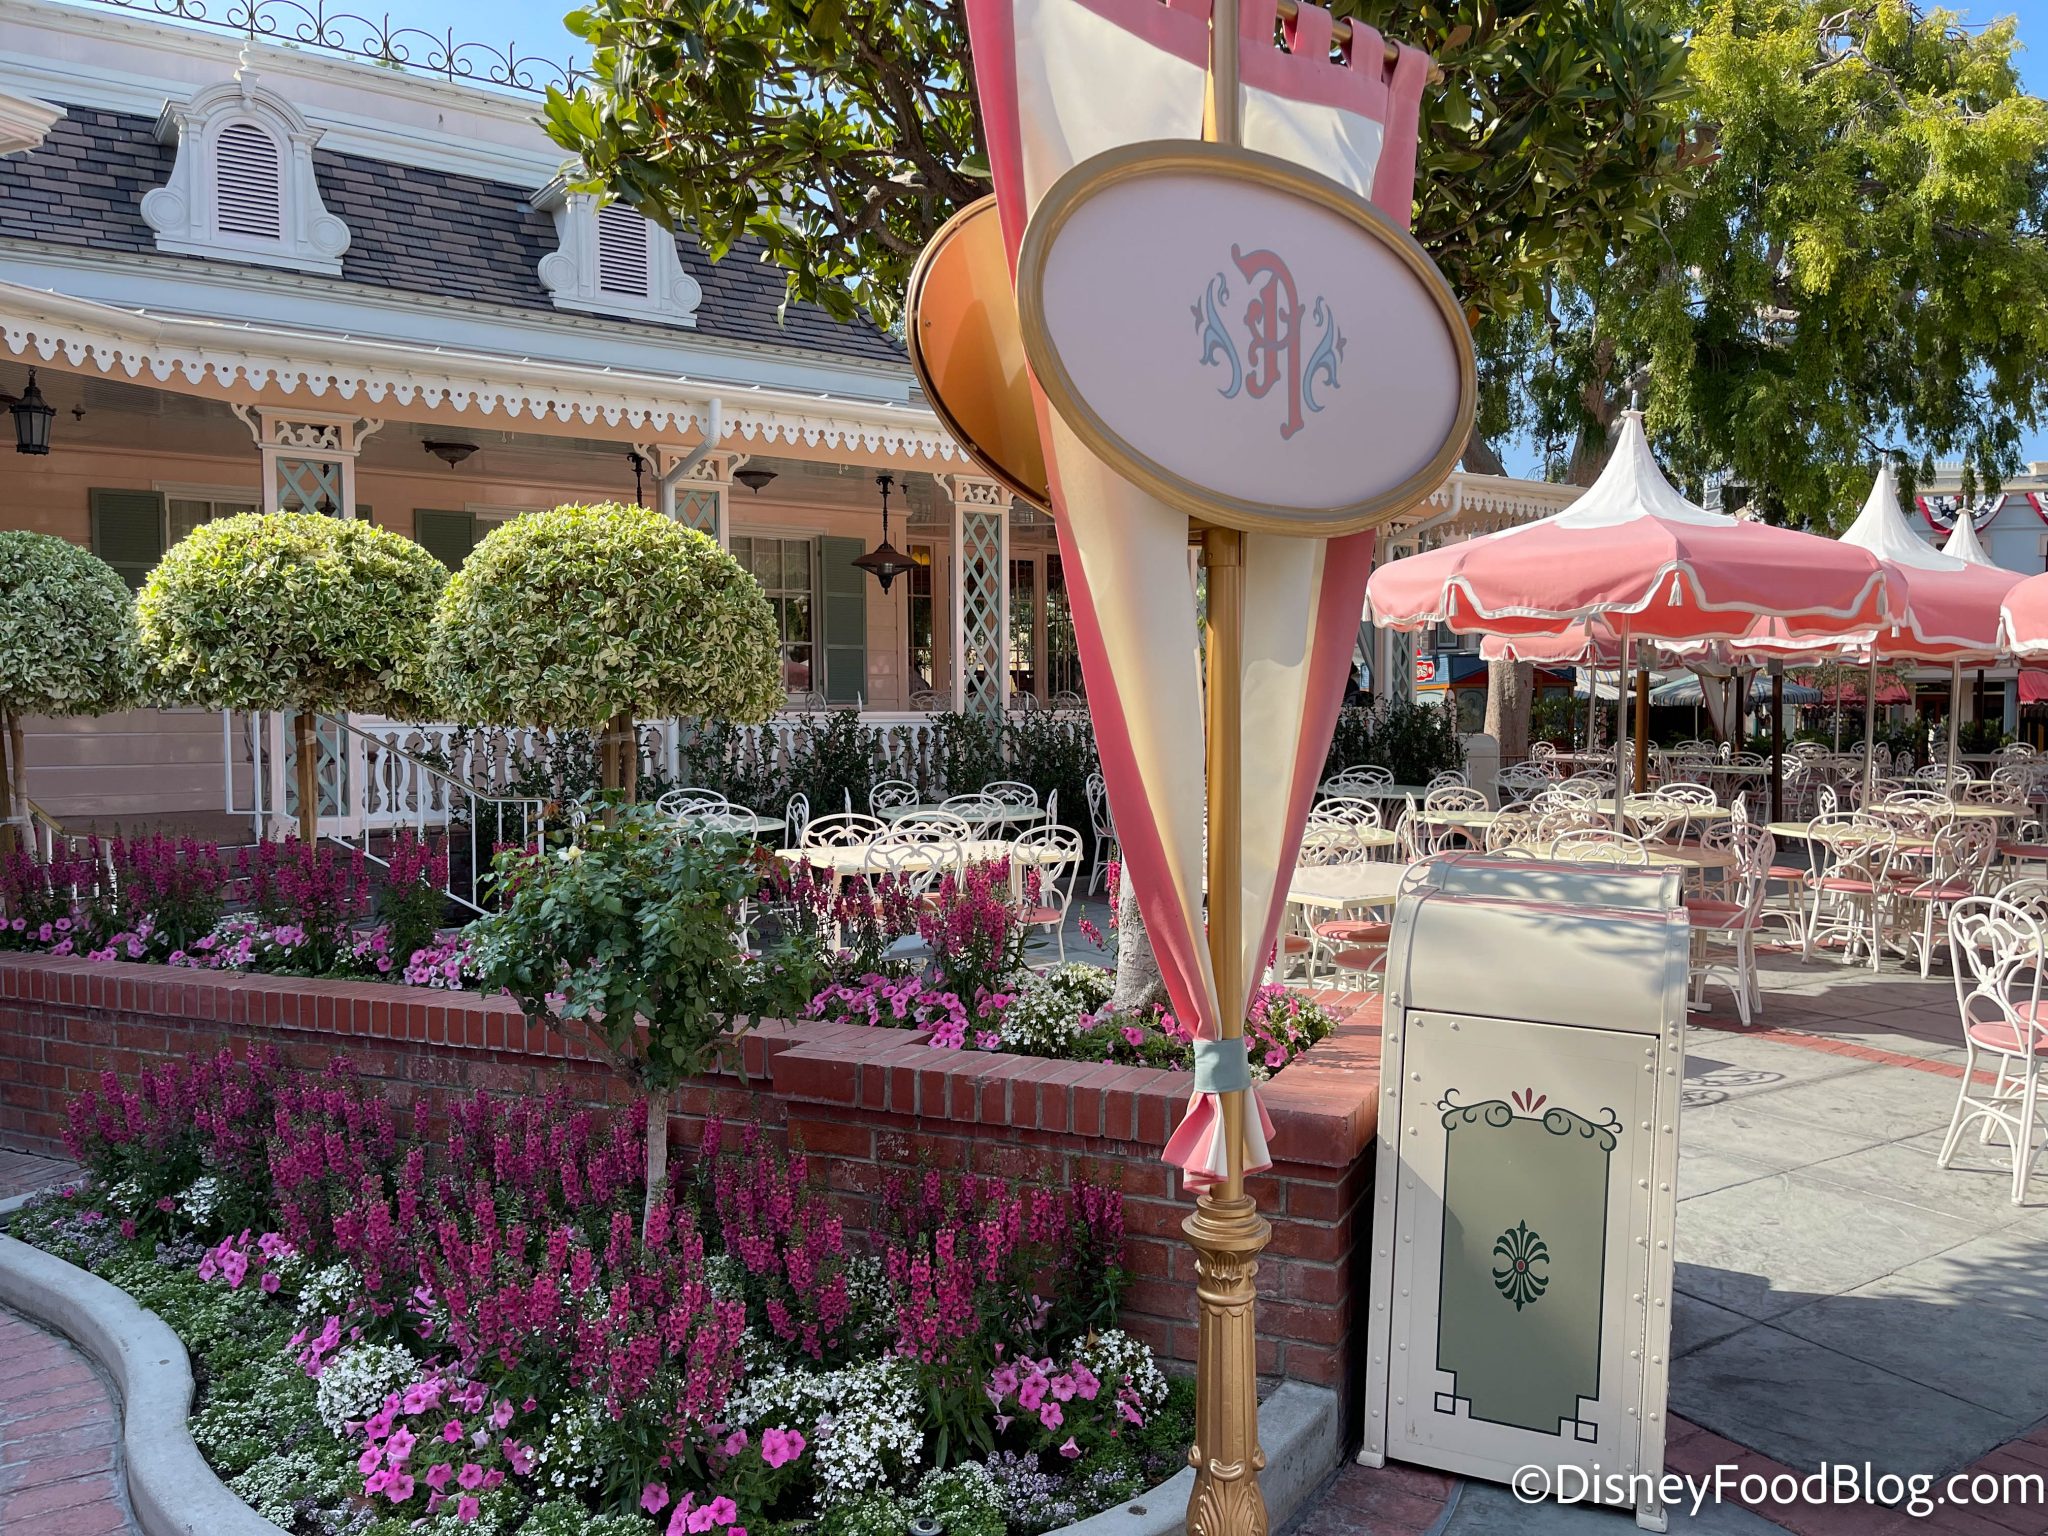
pixel 577 616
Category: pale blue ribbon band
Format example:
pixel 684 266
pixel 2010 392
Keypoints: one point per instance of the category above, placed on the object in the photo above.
pixel 1221 1066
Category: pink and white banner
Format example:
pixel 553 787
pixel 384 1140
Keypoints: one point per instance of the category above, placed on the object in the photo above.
pixel 1061 81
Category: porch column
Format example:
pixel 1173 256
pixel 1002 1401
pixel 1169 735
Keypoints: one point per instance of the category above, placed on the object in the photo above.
pixel 1393 661
pixel 309 457
pixel 981 593
pixel 700 499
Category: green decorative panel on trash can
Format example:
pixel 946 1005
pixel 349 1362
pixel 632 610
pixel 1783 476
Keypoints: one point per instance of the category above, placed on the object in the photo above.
pixel 1524 1260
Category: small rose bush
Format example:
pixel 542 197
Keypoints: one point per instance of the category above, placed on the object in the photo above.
pixel 475 1331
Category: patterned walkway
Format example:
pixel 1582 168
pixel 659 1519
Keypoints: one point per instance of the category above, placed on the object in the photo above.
pixel 59 1470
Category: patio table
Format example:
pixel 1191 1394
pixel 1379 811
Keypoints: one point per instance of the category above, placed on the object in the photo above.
pixel 1373 791
pixel 1673 855
pixel 1365 837
pixel 1337 886
pixel 1024 814
pixel 865 858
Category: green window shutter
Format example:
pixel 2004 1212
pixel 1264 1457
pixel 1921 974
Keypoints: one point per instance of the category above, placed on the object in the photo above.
pixel 845 629
pixel 128 532
pixel 447 536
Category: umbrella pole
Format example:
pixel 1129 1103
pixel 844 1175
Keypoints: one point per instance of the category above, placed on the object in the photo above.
pixel 1955 715
pixel 1642 724
pixel 1870 731
pixel 1621 727
pixel 1777 741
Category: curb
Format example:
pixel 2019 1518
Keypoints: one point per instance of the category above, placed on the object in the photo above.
pixel 1299 1430
pixel 175 1493
pixel 170 1487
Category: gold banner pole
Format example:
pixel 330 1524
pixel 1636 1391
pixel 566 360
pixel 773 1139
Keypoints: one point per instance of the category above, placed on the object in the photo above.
pixel 1226 1230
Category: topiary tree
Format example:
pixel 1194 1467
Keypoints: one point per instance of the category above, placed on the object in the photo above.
pixel 593 616
pixel 291 611
pixel 67 647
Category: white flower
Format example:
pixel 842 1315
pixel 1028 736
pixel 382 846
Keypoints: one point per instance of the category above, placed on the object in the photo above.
pixel 357 1381
pixel 1115 1357
pixel 327 1293
pixel 200 1199
pixel 864 1422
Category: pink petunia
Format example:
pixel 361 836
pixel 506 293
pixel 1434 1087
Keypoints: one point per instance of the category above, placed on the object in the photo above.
pixel 654 1498
pixel 399 1489
pixel 467 1508
pixel 440 1475
pixel 1070 1450
pixel 451 1432
pixel 400 1445
pixel 370 1460
pixel 1052 1415
pixel 471 1477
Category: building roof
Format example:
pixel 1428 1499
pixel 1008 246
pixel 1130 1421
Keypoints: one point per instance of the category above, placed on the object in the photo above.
pixel 429 232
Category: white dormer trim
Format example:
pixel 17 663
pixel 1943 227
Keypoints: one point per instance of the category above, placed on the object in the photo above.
pixel 186 213
pixel 24 121
pixel 590 270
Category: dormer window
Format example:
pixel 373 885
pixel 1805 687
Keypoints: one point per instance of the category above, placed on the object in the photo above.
pixel 248 183
pixel 622 253
pixel 611 261
pixel 243 185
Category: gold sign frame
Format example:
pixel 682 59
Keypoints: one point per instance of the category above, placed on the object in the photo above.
pixel 960 250
pixel 1133 161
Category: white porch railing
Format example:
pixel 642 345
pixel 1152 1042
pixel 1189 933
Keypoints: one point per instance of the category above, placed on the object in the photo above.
pixel 374 782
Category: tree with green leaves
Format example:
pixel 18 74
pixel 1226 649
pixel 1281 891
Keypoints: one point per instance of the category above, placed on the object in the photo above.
pixel 838 135
pixel 1857 272
pixel 592 617
pixel 67 647
pixel 291 611
pixel 631 937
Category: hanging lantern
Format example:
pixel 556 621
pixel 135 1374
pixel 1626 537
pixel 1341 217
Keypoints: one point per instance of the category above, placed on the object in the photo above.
pixel 885 562
pixel 31 413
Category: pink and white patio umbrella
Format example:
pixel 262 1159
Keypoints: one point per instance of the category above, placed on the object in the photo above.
pixel 1949 606
pixel 1635 552
pixel 1634 555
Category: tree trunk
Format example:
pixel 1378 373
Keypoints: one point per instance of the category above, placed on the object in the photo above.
pixel 306 746
pixel 657 1155
pixel 1509 689
pixel 1138 983
pixel 7 808
pixel 618 763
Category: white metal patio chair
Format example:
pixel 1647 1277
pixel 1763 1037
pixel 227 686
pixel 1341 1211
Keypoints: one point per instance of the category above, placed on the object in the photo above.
pixel 1600 845
pixel 1105 832
pixel 1928 890
pixel 795 817
pixel 891 794
pixel 1853 862
pixel 691 802
pixel 842 829
pixel 1995 947
pixel 1053 855
pixel 982 813
pixel 1734 920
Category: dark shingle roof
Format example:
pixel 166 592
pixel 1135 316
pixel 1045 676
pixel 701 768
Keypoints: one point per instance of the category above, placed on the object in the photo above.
pixel 413 230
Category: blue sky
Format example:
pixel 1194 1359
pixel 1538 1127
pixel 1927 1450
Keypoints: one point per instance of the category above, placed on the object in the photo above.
pixel 536 26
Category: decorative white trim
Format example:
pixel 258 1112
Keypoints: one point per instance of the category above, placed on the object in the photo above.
pixel 185 212
pixel 289 437
pixel 571 272
pixel 214 357
pixel 296 303
pixel 24 122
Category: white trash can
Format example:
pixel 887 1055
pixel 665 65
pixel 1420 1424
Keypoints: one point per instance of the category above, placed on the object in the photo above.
pixel 1526 1183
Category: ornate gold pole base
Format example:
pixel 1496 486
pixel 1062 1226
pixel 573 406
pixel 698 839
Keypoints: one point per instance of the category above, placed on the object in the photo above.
pixel 1228 1234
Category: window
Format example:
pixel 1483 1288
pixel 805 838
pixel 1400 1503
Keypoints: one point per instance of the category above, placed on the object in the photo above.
pixel 1023 621
pixel 783 567
pixel 132 529
pixel 243 186
pixel 611 261
pixel 923 641
pixel 1062 655
pixel 622 247
pixel 248 187
pixel 184 513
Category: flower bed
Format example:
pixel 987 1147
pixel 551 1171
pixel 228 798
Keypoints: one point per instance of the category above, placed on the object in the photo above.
pixel 484 1331
pixel 283 908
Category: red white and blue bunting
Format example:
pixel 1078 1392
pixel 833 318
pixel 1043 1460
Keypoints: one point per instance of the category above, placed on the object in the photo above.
pixel 1942 511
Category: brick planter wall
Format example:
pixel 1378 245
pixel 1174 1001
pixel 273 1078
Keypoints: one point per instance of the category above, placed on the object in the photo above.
pixel 856 1100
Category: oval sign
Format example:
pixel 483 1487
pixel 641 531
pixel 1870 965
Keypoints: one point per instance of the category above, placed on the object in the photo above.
pixel 1247 340
pixel 961 329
